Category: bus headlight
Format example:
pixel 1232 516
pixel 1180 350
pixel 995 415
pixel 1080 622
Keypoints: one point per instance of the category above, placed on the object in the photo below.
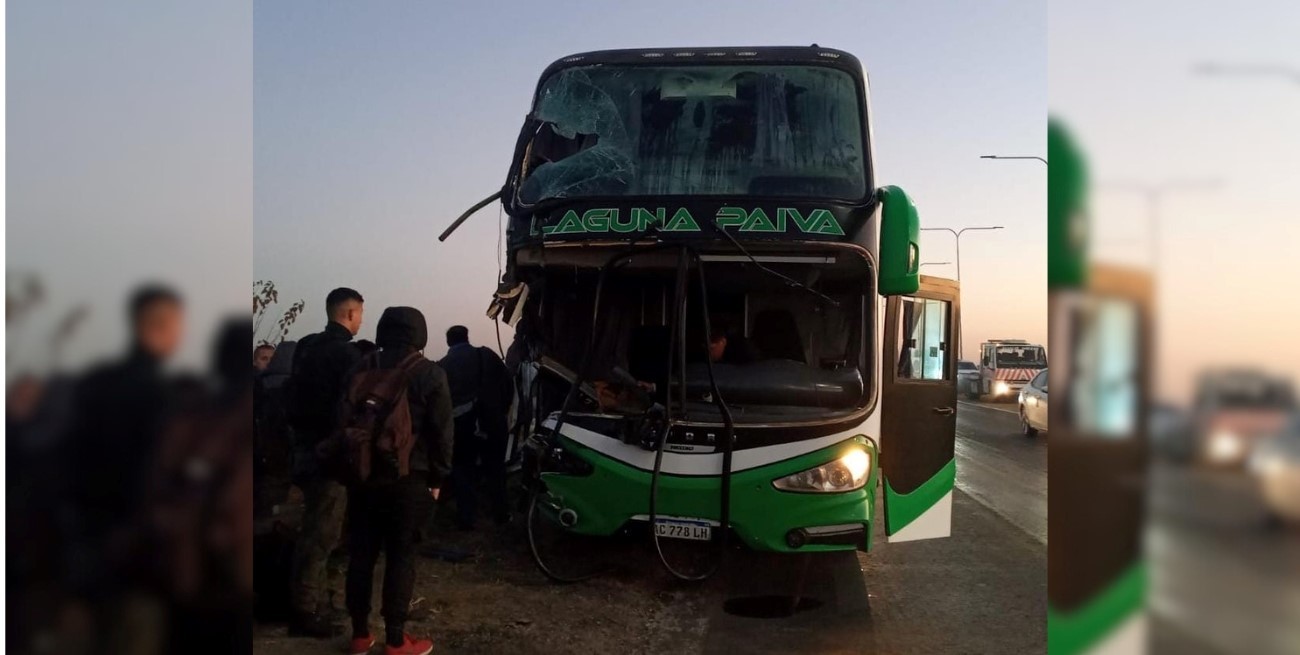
pixel 847 473
pixel 1001 389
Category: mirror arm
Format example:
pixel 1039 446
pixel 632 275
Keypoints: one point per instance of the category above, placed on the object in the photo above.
pixel 465 216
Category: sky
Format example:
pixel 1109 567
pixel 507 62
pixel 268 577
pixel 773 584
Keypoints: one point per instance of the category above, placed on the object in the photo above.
pixel 375 125
pixel 129 159
pixel 1226 243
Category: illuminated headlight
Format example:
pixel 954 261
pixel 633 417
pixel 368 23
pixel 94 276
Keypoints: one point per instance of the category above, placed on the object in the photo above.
pixel 1001 389
pixel 847 473
pixel 1225 446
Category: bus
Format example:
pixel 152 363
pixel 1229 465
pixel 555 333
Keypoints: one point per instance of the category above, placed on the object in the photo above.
pixel 721 332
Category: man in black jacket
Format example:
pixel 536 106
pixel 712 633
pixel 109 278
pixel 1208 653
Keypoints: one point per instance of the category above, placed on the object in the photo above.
pixel 120 411
pixel 321 365
pixel 384 514
pixel 480 394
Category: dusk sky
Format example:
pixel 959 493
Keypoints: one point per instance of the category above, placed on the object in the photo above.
pixel 377 124
pixel 1145 116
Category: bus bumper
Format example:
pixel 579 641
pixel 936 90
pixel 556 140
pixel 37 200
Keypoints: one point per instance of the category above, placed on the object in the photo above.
pixel 614 496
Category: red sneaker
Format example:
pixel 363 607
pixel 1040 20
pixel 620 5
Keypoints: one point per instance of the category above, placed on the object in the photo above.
pixel 361 645
pixel 410 647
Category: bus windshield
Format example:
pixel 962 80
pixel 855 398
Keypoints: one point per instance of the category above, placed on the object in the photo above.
pixel 763 129
pixel 1249 393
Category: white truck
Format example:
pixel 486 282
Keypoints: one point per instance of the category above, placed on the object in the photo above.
pixel 1007 365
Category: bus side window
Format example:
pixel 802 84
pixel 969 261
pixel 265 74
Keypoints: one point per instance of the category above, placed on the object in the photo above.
pixel 923 331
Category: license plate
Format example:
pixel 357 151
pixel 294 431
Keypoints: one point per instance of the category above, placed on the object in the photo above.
pixel 683 529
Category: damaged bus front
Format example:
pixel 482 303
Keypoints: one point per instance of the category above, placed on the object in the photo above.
pixel 720 329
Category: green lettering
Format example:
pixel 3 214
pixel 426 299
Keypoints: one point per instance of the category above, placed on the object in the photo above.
pixel 729 217
pixel 597 220
pixel 624 227
pixel 570 224
pixel 643 219
pixel 826 223
pixel 682 221
pixel 758 222
pixel 805 224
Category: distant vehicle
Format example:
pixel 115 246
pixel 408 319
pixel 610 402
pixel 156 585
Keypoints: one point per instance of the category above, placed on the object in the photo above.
pixel 1171 432
pixel 1276 465
pixel 1234 409
pixel 1033 405
pixel 968 379
pixel 1007 365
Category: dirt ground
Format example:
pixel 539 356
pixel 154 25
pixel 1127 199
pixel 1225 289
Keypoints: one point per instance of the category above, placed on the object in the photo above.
pixel 497 601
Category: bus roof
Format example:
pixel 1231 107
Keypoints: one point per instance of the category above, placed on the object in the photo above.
pixel 812 54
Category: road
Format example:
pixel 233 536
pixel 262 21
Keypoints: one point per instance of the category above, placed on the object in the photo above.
pixel 984 590
pixel 1219 576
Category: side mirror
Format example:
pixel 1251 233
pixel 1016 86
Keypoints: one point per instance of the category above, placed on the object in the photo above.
pixel 900 252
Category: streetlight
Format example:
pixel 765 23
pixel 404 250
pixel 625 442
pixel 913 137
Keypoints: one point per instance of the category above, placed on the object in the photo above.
pixel 1289 72
pixel 957 235
pixel 1154 193
pixel 1014 157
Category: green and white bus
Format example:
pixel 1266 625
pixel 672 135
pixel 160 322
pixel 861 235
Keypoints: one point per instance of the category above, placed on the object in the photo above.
pixel 720 328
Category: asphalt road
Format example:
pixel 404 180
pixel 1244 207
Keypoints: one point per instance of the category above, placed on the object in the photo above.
pixel 984 590
pixel 1219 575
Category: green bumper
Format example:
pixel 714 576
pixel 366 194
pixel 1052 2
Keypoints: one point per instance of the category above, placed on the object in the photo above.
pixel 761 515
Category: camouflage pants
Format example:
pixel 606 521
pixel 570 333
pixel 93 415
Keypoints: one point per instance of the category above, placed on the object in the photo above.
pixel 325 504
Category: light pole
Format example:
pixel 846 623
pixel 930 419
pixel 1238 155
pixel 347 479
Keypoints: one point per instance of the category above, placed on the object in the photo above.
pixel 957 235
pixel 1154 195
pixel 1217 69
pixel 1014 157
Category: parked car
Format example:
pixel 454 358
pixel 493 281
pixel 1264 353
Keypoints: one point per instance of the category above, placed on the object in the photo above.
pixel 1275 464
pixel 968 379
pixel 1033 405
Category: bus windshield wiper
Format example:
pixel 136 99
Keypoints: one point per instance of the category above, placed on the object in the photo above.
pixel 785 278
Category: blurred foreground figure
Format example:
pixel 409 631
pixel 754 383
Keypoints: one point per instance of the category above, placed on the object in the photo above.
pixel 120 409
pixel 201 508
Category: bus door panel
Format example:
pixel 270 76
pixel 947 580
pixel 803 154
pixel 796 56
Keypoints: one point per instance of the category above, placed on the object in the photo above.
pixel 919 410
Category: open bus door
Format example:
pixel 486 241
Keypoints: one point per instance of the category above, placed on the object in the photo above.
pixel 919 414
pixel 1097 462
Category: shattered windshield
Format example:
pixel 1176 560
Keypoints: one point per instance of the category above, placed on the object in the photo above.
pixel 794 131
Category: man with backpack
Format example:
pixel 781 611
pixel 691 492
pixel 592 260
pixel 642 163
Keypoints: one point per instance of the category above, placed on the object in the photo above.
pixel 481 392
pixel 320 369
pixel 393 449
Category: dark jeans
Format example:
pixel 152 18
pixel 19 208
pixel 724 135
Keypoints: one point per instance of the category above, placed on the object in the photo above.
pixel 384 516
pixel 476 459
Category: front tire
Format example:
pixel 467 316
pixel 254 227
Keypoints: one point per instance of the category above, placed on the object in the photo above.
pixel 1025 428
